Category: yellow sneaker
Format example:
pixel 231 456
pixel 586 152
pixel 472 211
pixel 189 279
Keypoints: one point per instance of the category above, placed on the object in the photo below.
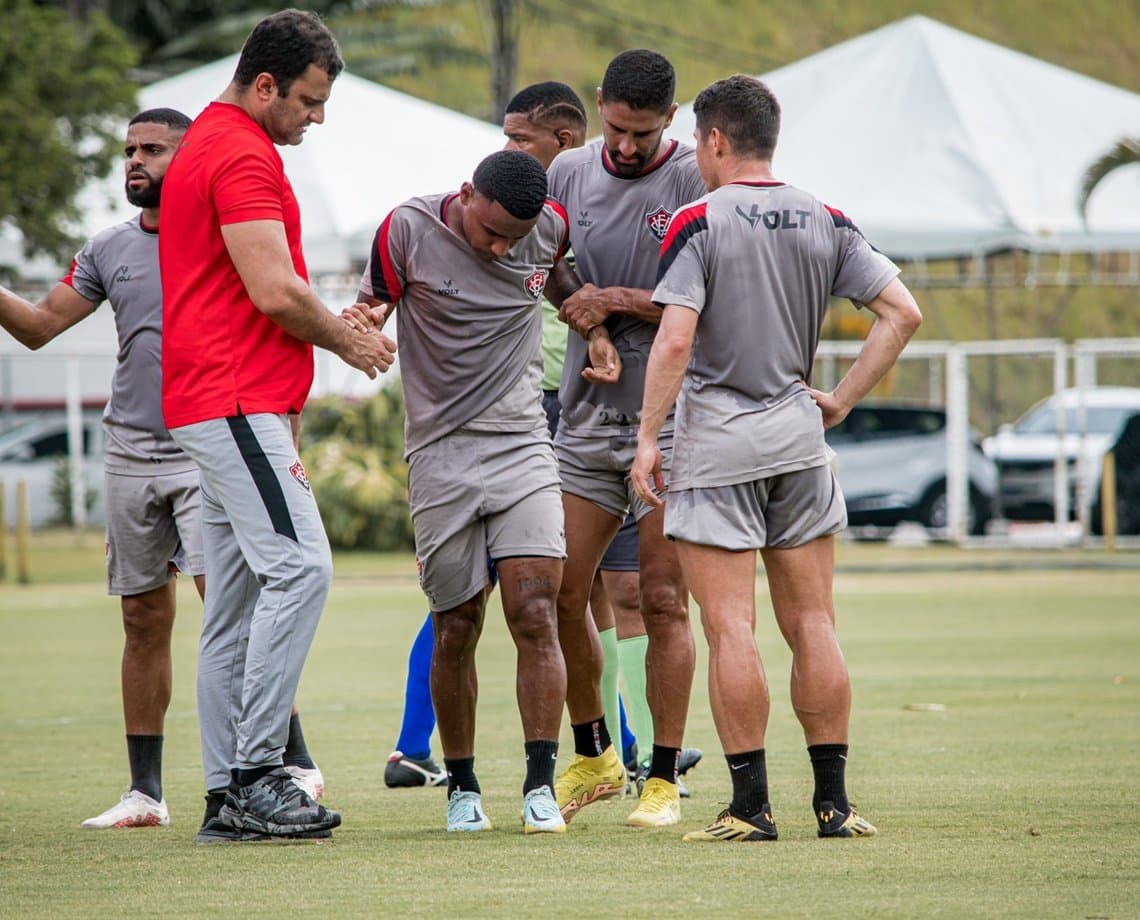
pixel 731 829
pixel 588 780
pixel 660 805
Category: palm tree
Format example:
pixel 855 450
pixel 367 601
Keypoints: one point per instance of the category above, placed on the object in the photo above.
pixel 1125 153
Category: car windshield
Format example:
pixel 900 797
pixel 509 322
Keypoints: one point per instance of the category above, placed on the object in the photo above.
pixel 1098 420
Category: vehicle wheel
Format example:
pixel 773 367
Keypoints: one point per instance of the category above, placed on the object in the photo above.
pixel 933 511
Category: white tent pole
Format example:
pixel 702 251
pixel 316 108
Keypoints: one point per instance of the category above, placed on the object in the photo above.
pixel 957 433
pixel 1060 469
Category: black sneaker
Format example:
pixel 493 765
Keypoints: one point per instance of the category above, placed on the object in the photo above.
pixel 405 772
pixel 689 758
pixel 834 823
pixel 275 806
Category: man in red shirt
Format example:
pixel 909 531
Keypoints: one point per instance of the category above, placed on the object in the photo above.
pixel 240 322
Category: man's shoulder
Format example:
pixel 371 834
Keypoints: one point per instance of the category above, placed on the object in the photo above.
pixel 120 237
pixel 570 161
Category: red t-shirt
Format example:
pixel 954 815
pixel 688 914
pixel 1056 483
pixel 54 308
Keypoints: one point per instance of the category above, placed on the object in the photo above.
pixel 221 356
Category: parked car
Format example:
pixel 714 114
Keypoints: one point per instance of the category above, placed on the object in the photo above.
pixel 1126 450
pixel 1025 452
pixel 33 448
pixel 891 465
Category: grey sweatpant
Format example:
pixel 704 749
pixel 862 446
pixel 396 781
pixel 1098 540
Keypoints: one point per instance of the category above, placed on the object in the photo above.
pixel 268 569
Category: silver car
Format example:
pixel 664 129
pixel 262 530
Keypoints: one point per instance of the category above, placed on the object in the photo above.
pixel 891 465
pixel 1026 451
pixel 33 449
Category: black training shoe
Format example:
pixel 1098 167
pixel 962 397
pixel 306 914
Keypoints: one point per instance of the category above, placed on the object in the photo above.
pixel 833 823
pixel 404 772
pixel 689 758
pixel 276 806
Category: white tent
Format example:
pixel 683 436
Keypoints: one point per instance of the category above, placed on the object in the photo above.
pixel 937 144
pixel 376 148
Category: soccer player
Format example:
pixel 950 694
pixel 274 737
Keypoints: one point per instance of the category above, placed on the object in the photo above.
pixel 464 273
pixel 542 119
pixel 150 484
pixel 745 277
pixel 240 321
pixel 620 192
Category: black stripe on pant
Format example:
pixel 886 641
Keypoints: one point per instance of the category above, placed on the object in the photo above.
pixel 264 478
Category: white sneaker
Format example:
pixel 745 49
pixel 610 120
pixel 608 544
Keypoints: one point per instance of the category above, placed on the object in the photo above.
pixel 134 809
pixel 311 780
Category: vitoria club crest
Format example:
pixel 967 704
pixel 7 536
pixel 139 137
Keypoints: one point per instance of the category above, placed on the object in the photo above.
pixel 536 282
pixel 297 471
pixel 657 221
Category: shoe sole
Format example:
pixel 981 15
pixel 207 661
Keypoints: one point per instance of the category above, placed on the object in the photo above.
pixel 601 792
pixel 208 839
pixel 535 829
pixel 660 821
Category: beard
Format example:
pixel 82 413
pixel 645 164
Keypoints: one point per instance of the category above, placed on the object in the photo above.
pixel 146 197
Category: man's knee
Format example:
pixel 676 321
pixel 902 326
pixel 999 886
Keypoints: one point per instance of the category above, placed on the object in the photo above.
pixel 533 620
pixel 148 617
pixel 663 603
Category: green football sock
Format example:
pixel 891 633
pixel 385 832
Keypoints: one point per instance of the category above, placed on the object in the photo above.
pixel 610 669
pixel 632 654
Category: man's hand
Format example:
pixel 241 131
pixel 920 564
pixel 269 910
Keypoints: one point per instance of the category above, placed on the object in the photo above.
pixel 365 317
pixel 585 308
pixel 645 474
pixel 605 362
pixel 370 351
pixel 834 411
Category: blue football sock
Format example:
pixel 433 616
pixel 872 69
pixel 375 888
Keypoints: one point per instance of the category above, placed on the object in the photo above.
pixel 419 717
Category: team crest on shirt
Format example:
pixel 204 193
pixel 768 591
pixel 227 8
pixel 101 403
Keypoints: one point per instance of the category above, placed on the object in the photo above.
pixel 297 471
pixel 536 282
pixel 657 221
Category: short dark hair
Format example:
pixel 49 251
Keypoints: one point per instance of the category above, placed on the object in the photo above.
pixel 642 79
pixel 514 179
pixel 172 118
pixel 284 45
pixel 548 103
pixel 743 109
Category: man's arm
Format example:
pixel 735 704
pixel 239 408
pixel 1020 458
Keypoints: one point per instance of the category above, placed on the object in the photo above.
pixel 260 253
pixel 897 318
pixel 584 306
pixel 34 325
pixel 668 360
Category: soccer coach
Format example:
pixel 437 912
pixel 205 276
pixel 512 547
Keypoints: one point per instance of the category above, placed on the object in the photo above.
pixel 240 322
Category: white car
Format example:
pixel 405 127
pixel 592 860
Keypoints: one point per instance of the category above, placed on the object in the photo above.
pixel 890 459
pixel 1026 451
pixel 34 449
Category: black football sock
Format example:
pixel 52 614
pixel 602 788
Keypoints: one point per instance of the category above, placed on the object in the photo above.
pixel 145 755
pixel 540 759
pixel 749 772
pixel 664 763
pixel 591 738
pixel 296 753
pixel 829 764
pixel 461 775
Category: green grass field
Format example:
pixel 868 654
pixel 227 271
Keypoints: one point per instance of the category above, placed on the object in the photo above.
pixel 1017 800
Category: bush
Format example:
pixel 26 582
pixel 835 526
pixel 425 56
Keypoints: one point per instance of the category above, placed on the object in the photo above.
pixel 353 454
pixel 61 493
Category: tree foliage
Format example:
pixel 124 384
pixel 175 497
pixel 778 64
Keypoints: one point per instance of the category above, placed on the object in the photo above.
pixel 353 453
pixel 65 94
pixel 1126 152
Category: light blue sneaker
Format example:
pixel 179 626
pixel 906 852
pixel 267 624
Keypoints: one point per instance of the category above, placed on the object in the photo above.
pixel 541 814
pixel 465 812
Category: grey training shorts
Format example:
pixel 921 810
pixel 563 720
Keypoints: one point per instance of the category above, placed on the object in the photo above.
pixel 781 511
pixel 476 494
pixel 152 522
pixel 597 469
